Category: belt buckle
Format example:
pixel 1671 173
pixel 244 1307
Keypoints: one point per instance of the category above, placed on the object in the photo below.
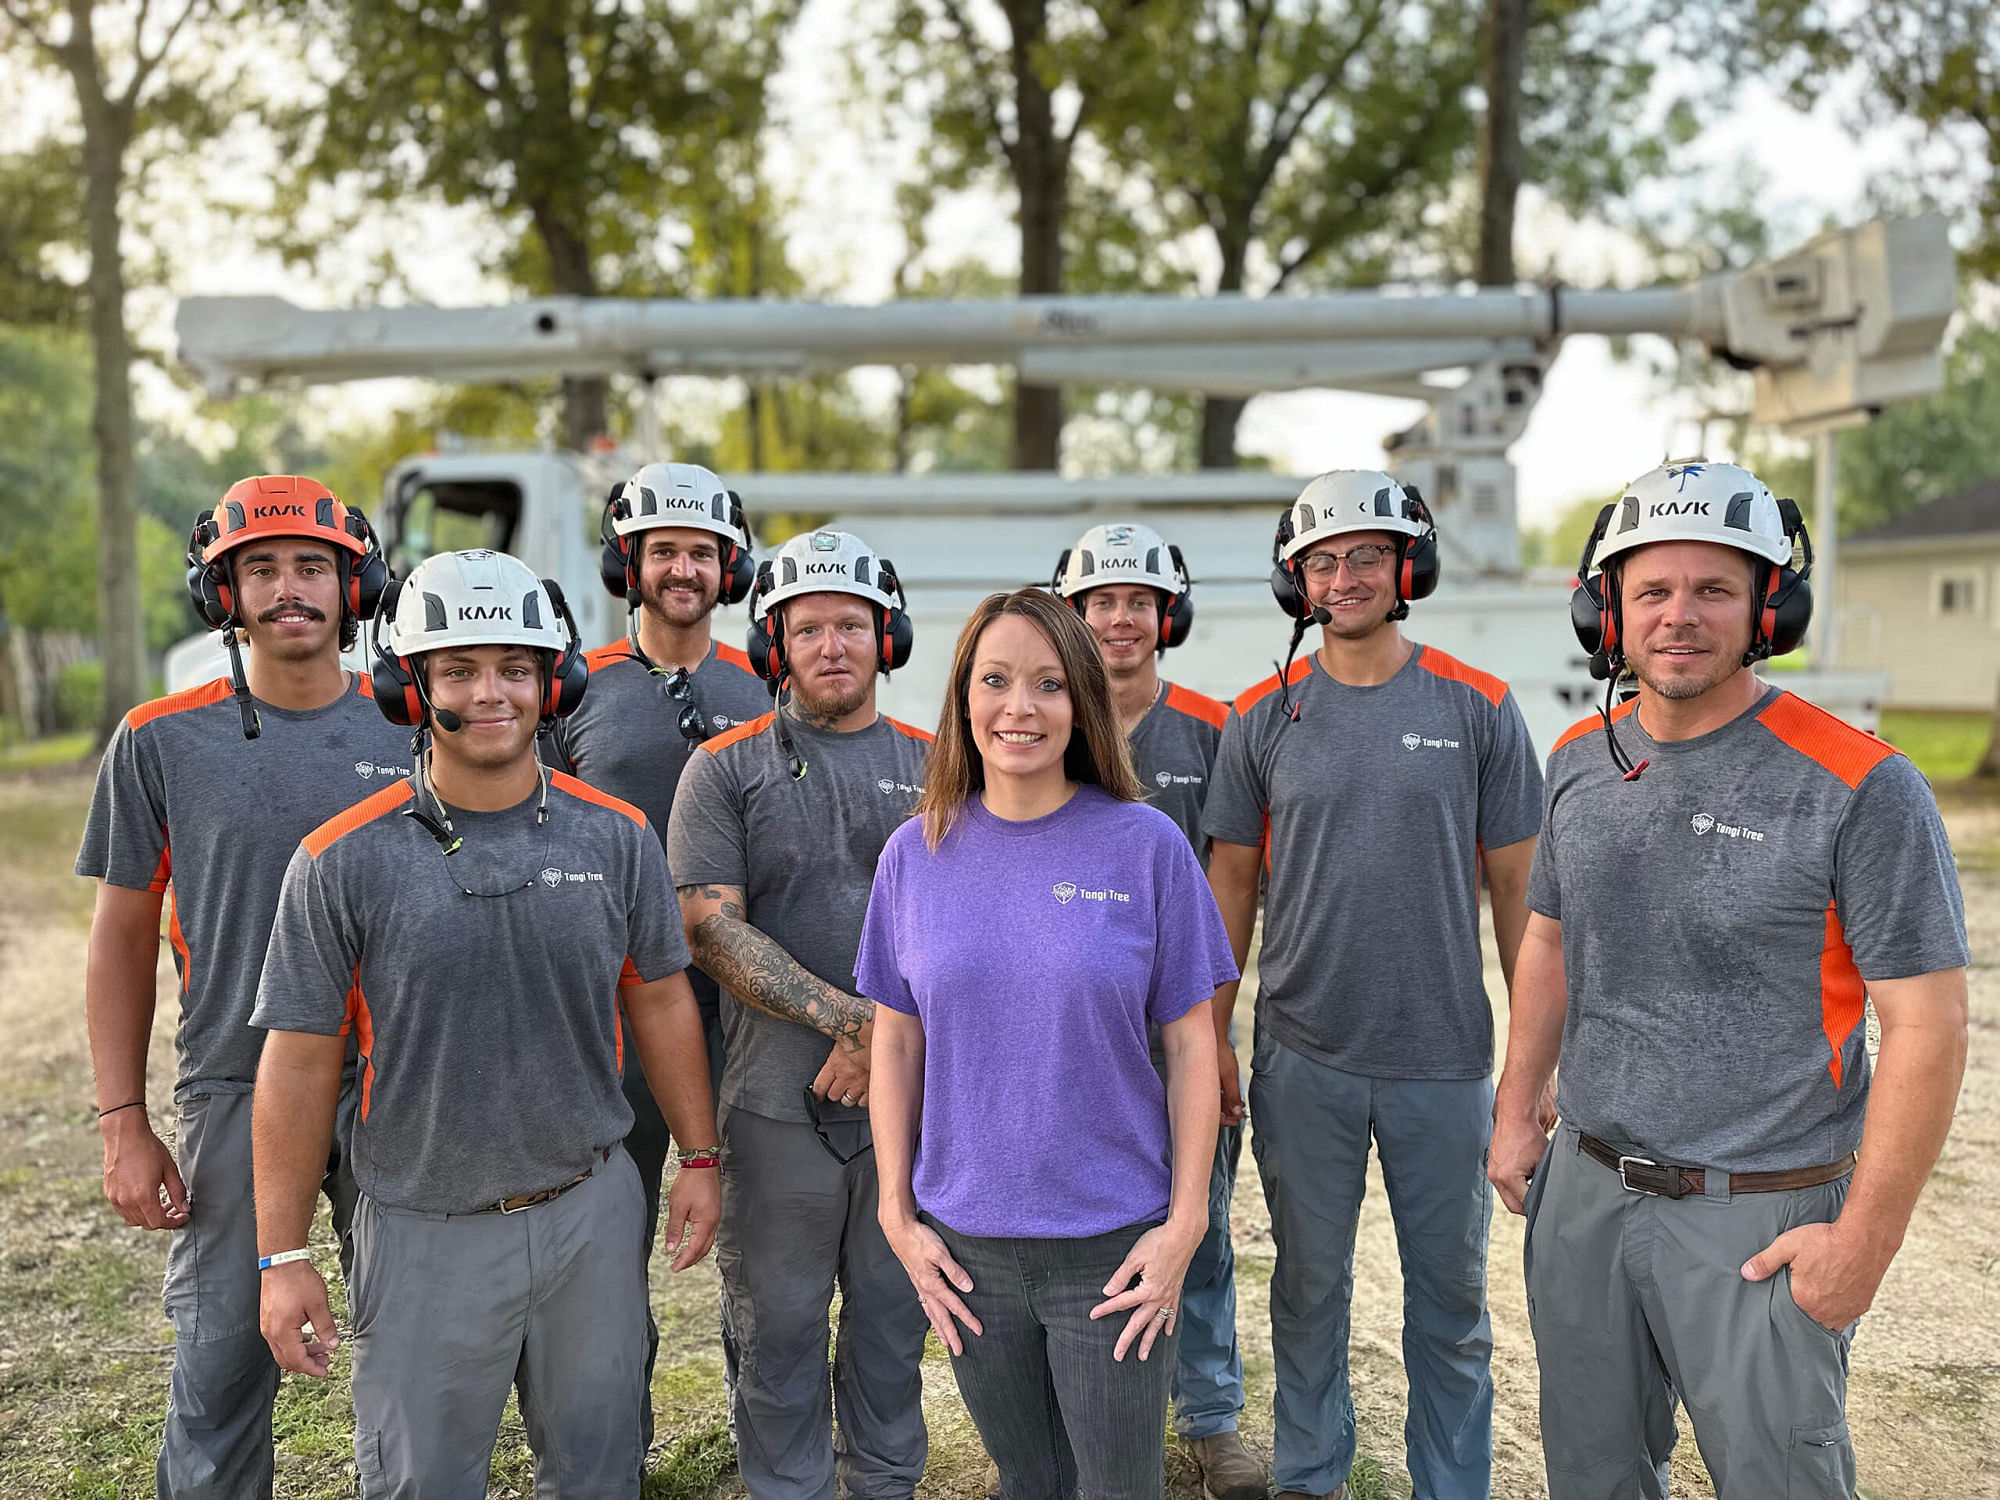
pixel 511 1206
pixel 1672 1189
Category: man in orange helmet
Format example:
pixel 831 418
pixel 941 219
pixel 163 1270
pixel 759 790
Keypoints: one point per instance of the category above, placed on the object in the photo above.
pixel 202 797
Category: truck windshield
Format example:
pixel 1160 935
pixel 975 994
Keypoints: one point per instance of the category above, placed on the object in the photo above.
pixel 449 516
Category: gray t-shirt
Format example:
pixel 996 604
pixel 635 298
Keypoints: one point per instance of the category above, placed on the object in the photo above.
pixel 1173 750
pixel 803 853
pixel 1721 917
pixel 184 804
pixel 1376 802
pixel 625 739
pixel 487 1023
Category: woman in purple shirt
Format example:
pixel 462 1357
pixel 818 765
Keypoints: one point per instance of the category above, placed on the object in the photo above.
pixel 1042 1188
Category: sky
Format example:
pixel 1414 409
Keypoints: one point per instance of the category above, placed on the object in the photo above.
pixel 1599 421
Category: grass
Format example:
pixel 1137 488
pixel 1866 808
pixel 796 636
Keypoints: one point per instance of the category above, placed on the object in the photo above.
pixel 1945 746
pixel 42 754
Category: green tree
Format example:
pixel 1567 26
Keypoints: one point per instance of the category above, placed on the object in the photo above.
pixel 586 129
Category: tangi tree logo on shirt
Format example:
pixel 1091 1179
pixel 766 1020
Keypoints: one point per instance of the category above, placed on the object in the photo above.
pixel 1701 822
pixel 885 786
pixel 1066 892
pixel 1411 741
pixel 1164 778
pixel 552 877
pixel 364 769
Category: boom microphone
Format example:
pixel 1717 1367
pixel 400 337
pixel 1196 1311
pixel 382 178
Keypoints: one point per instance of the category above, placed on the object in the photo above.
pixel 448 721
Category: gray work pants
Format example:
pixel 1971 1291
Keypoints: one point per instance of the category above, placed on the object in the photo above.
pixel 794 1223
pixel 452 1311
pixel 1637 1302
pixel 216 1444
pixel 1057 1413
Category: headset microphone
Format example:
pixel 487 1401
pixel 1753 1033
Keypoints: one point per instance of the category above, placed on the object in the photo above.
pixel 448 721
pixel 1321 615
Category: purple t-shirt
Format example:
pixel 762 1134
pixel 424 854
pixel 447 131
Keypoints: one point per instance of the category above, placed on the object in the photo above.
pixel 1034 954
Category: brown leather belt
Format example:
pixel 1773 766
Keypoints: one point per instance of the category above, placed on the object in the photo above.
pixel 520 1201
pixel 1640 1174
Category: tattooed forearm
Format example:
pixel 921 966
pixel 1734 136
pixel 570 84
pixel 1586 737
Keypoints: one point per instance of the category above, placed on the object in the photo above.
pixel 758 972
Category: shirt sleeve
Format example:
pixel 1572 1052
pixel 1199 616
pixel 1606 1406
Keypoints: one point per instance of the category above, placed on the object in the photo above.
pixel 706 843
pixel 655 942
pixel 125 836
pixel 314 958
pixel 1544 888
pixel 1234 812
pixel 878 963
pixel 1191 957
pixel 1895 884
pixel 1510 780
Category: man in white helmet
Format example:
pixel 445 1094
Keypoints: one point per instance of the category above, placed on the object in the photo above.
pixel 774 838
pixel 479 927
pixel 1132 589
pixel 1725 876
pixel 675 544
pixel 1375 780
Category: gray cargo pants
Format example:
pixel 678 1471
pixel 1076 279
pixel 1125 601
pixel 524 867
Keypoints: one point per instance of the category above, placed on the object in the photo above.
pixel 450 1311
pixel 216 1444
pixel 1637 1302
pixel 794 1223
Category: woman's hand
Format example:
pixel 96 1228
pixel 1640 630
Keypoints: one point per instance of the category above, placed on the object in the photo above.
pixel 938 1279
pixel 1160 1260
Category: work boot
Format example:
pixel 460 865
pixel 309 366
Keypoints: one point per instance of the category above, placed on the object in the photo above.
pixel 992 1480
pixel 1339 1494
pixel 1228 1469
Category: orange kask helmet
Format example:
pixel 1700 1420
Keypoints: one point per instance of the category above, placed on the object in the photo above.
pixel 275 505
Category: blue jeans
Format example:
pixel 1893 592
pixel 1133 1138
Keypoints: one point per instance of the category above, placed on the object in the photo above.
pixel 1208 1377
pixel 1313 1127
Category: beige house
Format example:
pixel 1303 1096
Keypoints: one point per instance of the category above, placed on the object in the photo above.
pixel 1920 601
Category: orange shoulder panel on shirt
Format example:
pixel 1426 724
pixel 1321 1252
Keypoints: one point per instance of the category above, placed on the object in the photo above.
pixel 367 810
pixel 563 782
pixel 738 733
pixel 174 703
pixel 911 730
pixel 1250 697
pixel 734 657
pixel 601 656
pixel 1848 752
pixel 1592 724
pixel 1197 705
pixel 366 683
pixel 1439 664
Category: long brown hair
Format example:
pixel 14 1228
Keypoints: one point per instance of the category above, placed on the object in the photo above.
pixel 1096 752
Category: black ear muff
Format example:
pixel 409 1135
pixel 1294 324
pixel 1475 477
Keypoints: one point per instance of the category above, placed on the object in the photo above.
pixel 894 634
pixel 569 673
pixel 1177 608
pixel 614 555
pixel 1594 604
pixel 368 576
pixel 739 569
pixel 392 677
pixel 208 585
pixel 1286 585
pixel 1786 613
pixel 1417 561
pixel 764 644
pixel 1056 578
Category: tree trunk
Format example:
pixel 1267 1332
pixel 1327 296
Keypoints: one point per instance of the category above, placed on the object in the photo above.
pixel 1221 414
pixel 1502 159
pixel 121 614
pixel 586 398
pixel 1040 161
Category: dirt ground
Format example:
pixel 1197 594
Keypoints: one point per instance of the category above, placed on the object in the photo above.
pixel 84 1347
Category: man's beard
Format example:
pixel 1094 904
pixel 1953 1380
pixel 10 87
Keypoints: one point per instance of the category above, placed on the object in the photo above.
pixel 831 709
pixel 678 606
pixel 1374 619
pixel 1680 689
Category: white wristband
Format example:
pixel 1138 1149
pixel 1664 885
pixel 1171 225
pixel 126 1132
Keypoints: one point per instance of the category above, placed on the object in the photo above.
pixel 265 1262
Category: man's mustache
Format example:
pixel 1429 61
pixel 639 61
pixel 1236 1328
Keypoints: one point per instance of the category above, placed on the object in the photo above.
pixel 290 609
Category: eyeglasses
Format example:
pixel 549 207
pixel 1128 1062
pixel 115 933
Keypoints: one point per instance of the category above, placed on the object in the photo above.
pixel 1361 561
pixel 679 686
pixel 813 1102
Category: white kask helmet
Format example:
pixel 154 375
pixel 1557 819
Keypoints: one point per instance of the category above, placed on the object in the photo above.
pixel 1345 500
pixel 1693 501
pixel 674 494
pixel 1119 554
pixel 823 562
pixel 476 598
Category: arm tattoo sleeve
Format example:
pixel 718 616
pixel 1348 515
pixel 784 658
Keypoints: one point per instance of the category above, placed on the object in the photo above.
pixel 758 972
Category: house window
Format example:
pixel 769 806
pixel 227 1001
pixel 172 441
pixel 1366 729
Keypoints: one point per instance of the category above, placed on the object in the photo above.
pixel 1958 593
